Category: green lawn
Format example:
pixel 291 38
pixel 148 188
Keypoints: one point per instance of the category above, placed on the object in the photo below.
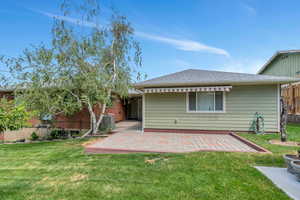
pixel 60 170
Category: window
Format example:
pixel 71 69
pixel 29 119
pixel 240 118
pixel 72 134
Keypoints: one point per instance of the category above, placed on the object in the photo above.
pixel 205 102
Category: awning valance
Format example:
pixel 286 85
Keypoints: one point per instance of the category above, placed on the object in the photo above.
pixel 188 89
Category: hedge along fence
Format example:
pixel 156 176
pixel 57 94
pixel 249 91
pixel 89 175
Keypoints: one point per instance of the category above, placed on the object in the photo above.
pixel 24 133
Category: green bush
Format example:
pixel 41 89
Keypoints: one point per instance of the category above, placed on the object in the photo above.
pixel 20 140
pixel 54 134
pixel 34 136
pixel 59 134
pixel 13 115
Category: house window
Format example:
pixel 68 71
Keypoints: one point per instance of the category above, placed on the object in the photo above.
pixel 206 101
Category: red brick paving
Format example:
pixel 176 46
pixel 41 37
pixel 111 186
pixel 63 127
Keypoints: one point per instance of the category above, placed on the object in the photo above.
pixel 129 139
pixel 134 141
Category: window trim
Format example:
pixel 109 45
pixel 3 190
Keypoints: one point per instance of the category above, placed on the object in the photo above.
pixel 199 111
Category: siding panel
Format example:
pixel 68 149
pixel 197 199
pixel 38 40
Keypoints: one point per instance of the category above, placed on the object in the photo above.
pixel 168 111
pixel 284 65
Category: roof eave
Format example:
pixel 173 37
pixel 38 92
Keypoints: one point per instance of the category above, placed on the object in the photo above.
pixel 6 90
pixel 137 86
pixel 268 62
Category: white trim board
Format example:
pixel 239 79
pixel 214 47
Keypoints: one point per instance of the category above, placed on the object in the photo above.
pixel 188 89
pixel 278 106
pixel 143 112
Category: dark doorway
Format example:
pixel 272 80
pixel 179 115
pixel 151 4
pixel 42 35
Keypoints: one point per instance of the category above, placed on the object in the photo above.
pixel 134 108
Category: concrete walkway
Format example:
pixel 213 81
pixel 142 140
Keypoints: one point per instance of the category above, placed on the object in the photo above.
pixel 283 180
pixel 128 125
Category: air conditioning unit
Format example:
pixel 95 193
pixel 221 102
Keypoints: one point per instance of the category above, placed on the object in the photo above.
pixel 108 123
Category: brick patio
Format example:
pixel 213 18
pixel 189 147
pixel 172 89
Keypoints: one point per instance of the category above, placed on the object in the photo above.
pixel 134 141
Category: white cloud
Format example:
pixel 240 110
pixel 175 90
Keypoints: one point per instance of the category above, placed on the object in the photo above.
pixel 70 19
pixel 185 45
pixel 240 66
pixel 181 44
pixel 251 10
pixel 183 63
pixel 243 66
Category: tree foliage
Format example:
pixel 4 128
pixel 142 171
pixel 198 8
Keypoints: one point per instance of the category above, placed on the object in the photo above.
pixel 83 67
pixel 12 116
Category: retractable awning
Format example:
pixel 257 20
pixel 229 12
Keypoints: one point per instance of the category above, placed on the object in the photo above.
pixel 188 89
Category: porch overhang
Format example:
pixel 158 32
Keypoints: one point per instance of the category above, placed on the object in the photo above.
pixel 188 89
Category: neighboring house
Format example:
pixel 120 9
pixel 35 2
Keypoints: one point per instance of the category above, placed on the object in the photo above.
pixel 283 63
pixel 194 100
pixel 286 63
pixel 121 109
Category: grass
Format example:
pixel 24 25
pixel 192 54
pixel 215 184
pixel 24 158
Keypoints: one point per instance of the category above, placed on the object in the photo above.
pixel 293 131
pixel 61 170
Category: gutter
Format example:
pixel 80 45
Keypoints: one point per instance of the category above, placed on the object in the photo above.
pixel 140 86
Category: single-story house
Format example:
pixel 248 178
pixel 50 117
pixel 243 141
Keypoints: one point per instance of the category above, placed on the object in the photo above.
pixel 121 109
pixel 194 100
pixel 286 63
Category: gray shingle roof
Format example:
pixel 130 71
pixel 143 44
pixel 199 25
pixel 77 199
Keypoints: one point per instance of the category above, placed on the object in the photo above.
pixel 194 77
pixel 3 89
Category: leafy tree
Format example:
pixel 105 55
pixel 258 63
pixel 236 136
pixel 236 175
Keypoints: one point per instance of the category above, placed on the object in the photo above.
pixel 12 117
pixel 83 67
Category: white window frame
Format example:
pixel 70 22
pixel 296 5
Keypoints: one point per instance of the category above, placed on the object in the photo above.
pixel 202 111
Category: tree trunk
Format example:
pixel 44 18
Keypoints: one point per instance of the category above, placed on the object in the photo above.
pixel 93 121
pixel 103 108
pixel 283 120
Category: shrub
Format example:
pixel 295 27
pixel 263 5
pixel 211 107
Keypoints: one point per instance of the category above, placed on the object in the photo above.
pixel 20 140
pixel 58 134
pixel 13 115
pixel 76 133
pixel 54 134
pixel 34 136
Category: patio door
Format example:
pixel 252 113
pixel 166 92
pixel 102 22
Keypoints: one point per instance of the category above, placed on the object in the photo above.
pixel 134 108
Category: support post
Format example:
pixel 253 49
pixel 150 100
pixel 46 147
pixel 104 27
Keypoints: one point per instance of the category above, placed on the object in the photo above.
pixel 143 114
pixel 283 121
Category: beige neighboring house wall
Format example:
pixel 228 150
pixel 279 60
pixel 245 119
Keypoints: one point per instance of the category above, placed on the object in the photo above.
pixel 169 110
pixel 24 133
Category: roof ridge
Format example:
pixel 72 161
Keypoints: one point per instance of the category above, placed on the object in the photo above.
pixel 242 73
pixel 201 76
pixel 167 75
pixel 222 71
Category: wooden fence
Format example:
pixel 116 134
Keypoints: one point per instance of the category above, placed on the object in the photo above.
pixel 291 95
pixel 72 125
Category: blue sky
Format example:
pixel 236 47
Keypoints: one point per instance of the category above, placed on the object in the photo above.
pixel 227 35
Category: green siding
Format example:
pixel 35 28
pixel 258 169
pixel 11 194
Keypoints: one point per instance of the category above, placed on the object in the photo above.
pixel 284 65
pixel 162 110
